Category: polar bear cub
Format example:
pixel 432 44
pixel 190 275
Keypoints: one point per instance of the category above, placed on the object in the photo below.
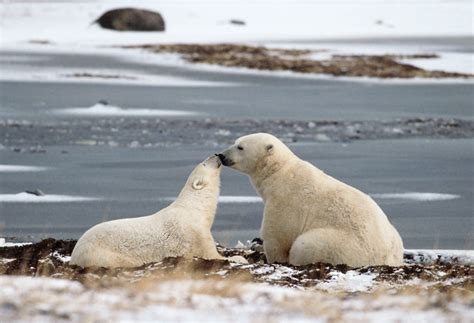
pixel 309 216
pixel 181 229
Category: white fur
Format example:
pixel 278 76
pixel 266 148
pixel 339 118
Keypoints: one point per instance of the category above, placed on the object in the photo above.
pixel 309 216
pixel 181 229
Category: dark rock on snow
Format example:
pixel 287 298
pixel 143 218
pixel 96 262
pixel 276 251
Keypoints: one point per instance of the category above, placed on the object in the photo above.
pixel 36 192
pixel 130 19
pixel 237 22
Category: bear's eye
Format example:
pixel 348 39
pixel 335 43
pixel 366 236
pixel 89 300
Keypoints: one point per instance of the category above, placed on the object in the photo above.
pixel 240 148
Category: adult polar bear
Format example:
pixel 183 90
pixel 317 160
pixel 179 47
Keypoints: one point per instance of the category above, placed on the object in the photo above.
pixel 309 216
pixel 181 229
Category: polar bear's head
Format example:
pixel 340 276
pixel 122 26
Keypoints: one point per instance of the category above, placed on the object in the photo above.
pixel 205 176
pixel 255 153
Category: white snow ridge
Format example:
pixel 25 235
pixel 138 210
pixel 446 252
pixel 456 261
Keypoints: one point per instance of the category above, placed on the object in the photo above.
pixel 31 198
pixel 20 168
pixel 227 199
pixel 417 196
pixel 239 199
pixel 100 109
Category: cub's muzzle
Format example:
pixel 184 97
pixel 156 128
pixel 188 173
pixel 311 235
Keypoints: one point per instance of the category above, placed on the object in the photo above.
pixel 213 160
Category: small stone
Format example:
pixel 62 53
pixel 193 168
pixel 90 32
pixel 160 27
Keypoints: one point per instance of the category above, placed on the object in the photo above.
pixel 36 192
pixel 237 22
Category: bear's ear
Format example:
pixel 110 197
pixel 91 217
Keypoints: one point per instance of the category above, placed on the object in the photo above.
pixel 198 184
pixel 269 148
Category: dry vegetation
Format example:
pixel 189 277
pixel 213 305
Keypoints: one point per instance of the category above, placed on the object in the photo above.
pixel 262 58
pixel 46 259
pixel 197 289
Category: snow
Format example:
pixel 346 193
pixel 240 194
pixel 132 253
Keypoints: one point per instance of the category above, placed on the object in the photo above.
pixel 453 62
pixel 27 73
pixel 417 196
pixel 181 300
pixel 186 300
pixel 62 258
pixel 278 293
pixel 239 199
pixel 281 272
pixel 351 281
pixel 3 243
pixel 280 23
pixel 429 256
pixel 208 22
pixel 109 110
pixel 227 199
pixel 50 198
pixel 20 168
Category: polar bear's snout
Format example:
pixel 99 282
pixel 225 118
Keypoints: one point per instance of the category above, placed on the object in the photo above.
pixel 213 160
pixel 226 161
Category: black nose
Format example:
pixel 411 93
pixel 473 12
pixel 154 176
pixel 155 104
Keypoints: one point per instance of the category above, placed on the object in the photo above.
pixel 221 157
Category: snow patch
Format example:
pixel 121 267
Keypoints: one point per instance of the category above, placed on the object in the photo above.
pixel 60 257
pixel 428 256
pixel 227 199
pixel 3 243
pixel 239 199
pixel 109 110
pixel 26 73
pixel 30 198
pixel 208 21
pixel 351 281
pixel 416 196
pixel 20 168
pixel 451 62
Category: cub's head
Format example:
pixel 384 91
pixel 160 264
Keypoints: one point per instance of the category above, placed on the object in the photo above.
pixel 254 153
pixel 206 175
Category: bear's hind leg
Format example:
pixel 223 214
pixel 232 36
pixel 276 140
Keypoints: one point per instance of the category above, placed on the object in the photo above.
pixel 99 257
pixel 322 245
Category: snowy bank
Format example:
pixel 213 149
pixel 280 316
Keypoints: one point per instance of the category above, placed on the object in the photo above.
pixel 197 289
pixel 356 26
pixel 185 300
pixel 100 109
pixel 209 22
pixel 50 198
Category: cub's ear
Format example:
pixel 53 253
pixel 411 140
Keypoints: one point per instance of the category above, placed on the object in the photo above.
pixel 198 184
pixel 269 148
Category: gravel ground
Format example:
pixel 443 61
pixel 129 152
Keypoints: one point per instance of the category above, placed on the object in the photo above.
pixel 22 135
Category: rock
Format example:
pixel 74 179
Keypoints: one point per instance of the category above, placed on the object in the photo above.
pixel 130 19
pixel 237 22
pixel 36 192
pixel 257 245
